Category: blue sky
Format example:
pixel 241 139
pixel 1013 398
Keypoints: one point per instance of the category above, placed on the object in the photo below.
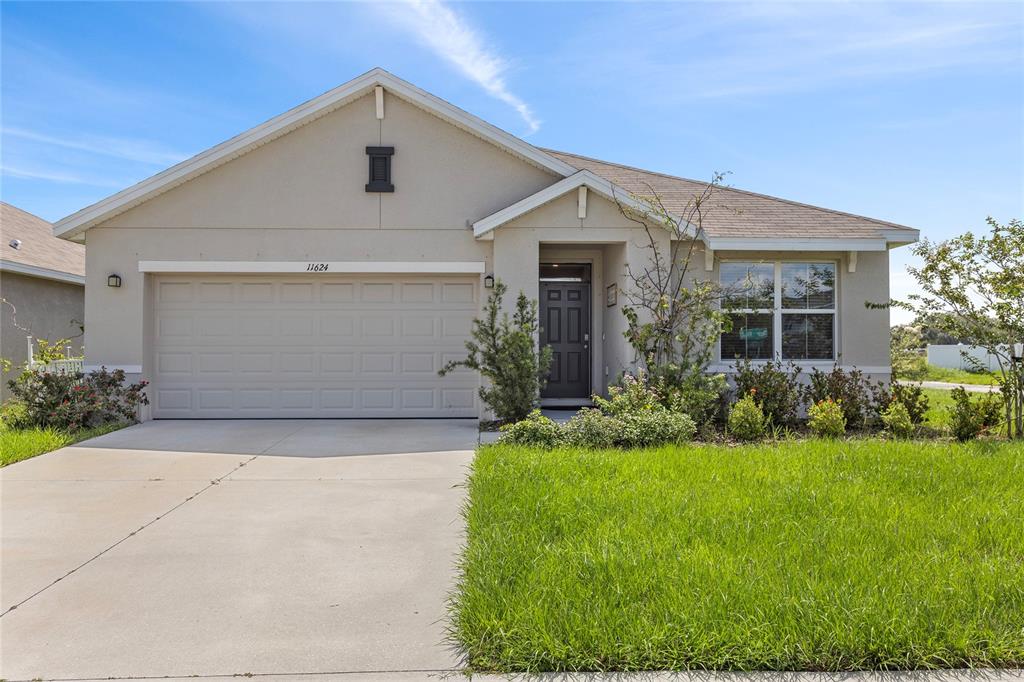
pixel 910 112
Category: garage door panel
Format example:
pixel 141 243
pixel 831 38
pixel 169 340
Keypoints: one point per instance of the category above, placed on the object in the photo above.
pixel 255 347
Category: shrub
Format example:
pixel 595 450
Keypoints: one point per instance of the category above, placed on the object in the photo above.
pixel 505 352
pixel 591 429
pixel 635 393
pixel 913 399
pixel 746 419
pixel 827 419
pixel 860 400
pixel 774 388
pixel 14 415
pixel 897 420
pixel 655 426
pixel 702 396
pixel 536 430
pixel 968 418
pixel 964 417
pixel 77 401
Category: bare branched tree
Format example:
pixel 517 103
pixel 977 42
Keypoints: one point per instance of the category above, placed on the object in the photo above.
pixel 674 318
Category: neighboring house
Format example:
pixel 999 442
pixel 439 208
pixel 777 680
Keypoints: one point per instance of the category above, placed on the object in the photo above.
pixel 328 262
pixel 42 282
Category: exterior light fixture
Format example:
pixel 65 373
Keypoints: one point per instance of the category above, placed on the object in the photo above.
pixel 1017 354
pixel 489 282
pixel 114 281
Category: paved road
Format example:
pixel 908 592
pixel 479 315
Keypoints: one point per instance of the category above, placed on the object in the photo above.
pixel 973 388
pixel 229 548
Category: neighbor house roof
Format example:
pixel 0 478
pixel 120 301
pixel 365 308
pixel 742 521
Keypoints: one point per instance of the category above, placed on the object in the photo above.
pixel 739 218
pixel 38 252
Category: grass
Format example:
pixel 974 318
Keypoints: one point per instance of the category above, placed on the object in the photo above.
pixel 20 444
pixel 953 376
pixel 808 555
pixel 939 402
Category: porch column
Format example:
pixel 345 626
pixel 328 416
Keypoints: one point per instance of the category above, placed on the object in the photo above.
pixel 517 263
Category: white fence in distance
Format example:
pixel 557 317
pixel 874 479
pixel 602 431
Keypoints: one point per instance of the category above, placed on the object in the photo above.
pixel 951 356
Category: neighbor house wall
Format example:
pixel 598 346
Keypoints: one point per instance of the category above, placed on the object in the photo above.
pixel 46 309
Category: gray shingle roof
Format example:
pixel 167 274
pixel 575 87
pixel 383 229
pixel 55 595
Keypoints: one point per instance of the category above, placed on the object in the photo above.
pixel 738 213
pixel 39 248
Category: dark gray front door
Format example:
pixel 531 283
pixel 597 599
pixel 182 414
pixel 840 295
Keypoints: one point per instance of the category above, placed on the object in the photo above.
pixel 565 326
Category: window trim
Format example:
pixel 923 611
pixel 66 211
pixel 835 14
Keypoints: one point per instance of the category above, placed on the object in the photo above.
pixel 777 310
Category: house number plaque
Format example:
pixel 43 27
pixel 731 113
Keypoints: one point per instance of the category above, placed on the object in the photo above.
pixel 316 267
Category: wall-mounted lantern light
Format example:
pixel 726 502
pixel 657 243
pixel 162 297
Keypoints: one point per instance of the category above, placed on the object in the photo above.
pixel 114 281
pixel 489 282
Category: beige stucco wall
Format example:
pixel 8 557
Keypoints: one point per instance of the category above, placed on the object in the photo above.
pixel 45 309
pixel 314 177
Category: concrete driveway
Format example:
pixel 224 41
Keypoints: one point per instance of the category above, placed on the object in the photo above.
pixel 234 547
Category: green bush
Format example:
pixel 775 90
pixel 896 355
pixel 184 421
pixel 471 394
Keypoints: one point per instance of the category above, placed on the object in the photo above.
pixel 913 399
pixel 14 415
pixel 505 352
pixel 746 419
pixel 968 418
pixel 591 429
pixel 536 430
pixel 897 420
pixel 634 394
pixel 773 388
pixel 702 396
pixel 827 419
pixel 860 400
pixel 77 401
pixel 655 426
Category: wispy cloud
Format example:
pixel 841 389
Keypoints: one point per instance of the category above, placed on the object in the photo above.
pixel 749 50
pixel 121 148
pixel 454 39
pixel 57 176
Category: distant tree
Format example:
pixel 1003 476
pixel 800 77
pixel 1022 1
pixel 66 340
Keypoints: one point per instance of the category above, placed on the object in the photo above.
pixel 905 346
pixel 972 288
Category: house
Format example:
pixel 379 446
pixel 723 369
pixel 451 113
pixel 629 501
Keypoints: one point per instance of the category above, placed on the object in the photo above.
pixel 328 262
pixel 42 281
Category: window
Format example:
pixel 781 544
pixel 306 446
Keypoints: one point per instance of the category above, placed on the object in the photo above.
pixel 782 309
pixel 380 169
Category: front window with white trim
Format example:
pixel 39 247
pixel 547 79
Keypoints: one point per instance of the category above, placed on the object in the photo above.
pixel 781 309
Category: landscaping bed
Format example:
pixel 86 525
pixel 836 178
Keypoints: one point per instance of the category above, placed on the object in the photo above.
pixel 808 555
pixel 19 444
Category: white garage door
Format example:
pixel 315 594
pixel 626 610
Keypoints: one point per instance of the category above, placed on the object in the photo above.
pixel 320 346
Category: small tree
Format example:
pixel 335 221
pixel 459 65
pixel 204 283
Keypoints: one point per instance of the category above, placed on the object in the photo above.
pixel 905 344
pixel 972 287
pixel 506 353
pixel 673 318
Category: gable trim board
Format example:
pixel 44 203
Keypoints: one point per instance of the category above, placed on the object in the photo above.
pixel 42 273
pixel 72 226
pixel 583 179
pixel 316 267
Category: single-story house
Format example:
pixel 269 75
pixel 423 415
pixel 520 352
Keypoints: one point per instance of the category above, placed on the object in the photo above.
pixel 42 284
pixel 328 262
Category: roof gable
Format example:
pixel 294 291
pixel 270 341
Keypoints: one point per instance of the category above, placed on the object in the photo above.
pixel 584 178
pixel 75 224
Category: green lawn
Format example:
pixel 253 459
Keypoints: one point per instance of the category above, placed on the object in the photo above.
pixel 956 376
pixel 801 555
pixel 19 444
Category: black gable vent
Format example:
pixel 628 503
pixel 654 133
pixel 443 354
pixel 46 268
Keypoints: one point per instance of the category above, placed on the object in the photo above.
pixel 380 169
